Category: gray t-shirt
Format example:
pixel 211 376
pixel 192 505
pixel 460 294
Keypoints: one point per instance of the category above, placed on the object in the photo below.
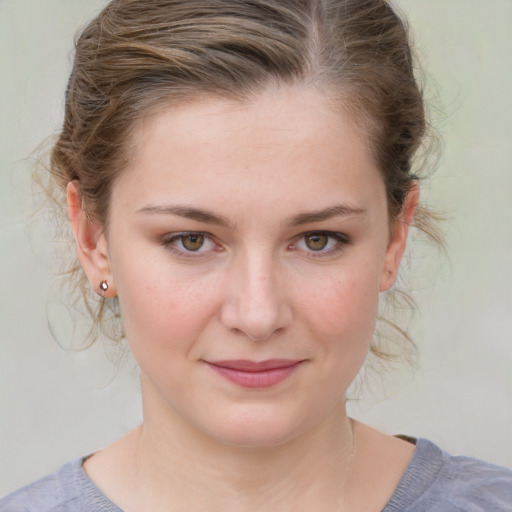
pixel 434 481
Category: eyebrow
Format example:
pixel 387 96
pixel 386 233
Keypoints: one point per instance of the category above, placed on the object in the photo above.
pixel 338 210
pixel 200 215
pixel 187 212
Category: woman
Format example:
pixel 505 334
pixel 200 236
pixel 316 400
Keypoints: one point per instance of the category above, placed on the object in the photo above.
pixel 238 180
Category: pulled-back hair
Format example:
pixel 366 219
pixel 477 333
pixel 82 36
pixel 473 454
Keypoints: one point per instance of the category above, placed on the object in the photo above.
pixel 135 57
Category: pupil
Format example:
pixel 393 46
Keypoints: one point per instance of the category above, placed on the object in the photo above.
pixel 317 241
pixel 193 242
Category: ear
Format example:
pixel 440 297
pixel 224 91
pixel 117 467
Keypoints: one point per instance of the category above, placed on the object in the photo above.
pixel 398 239
pixel 91 244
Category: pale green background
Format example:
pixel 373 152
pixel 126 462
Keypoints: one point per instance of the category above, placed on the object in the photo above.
pixel 56 406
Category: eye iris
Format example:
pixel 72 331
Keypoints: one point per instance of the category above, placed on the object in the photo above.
pixel 193 242
pixel 316 241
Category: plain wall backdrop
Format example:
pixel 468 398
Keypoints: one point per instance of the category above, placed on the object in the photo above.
pixel 56 405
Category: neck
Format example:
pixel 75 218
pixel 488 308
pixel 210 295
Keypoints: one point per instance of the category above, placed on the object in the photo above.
pixel 167 465
pixel 174 460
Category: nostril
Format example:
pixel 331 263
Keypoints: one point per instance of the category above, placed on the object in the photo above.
pixel 257 324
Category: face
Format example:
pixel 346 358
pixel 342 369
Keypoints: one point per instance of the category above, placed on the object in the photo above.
pixel 248 244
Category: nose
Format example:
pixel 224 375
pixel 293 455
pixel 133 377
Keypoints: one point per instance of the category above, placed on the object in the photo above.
pixel 255 304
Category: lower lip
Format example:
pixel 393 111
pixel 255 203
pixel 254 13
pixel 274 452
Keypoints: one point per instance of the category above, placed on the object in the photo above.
pixel 255 380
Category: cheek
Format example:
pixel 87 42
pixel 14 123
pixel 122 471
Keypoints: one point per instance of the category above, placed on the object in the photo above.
pixel 341 315
pixel 164 308
pixel 344 306
pixel 340 321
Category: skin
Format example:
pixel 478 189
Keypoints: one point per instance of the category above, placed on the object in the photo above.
pixel 255 180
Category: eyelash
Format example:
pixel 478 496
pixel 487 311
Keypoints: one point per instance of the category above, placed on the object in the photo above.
pixel 170 242
pixel 340 242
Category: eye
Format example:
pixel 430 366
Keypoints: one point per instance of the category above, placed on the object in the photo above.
pixel 320 242
pixel 316 241
pixel 192 242
pixel 186 243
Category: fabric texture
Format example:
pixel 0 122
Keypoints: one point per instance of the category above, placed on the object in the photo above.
pixel 434 481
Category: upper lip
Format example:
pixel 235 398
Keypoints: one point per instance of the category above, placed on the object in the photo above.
pixel 245 365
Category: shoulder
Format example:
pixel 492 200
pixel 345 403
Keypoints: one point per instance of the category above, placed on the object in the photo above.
pixel 465 481
pixel 69 489
pixel 436 481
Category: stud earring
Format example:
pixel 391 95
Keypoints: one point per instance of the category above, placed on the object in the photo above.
pixel 104 286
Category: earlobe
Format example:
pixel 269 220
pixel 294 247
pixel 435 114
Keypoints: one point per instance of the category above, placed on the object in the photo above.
pixel 91 244
pixel 398 239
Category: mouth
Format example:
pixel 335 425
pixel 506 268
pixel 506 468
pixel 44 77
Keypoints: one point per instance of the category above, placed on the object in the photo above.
pixel 253 374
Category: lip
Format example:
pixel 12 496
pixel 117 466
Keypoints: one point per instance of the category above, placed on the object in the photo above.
pixel 255 374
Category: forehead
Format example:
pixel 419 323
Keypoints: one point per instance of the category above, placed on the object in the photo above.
pixel 286 139
pixel 276 109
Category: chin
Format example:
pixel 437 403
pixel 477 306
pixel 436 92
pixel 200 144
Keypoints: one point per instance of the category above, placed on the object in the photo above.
pixel 258 428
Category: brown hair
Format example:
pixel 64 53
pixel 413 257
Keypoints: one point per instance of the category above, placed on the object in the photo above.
pixel 136 55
